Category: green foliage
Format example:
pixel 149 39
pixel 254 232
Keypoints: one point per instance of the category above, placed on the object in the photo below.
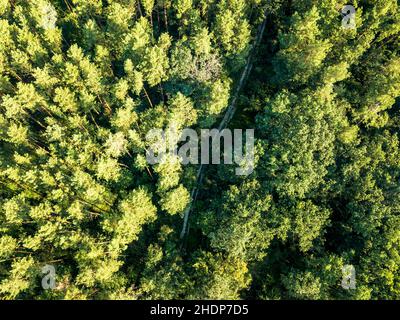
pixel 83 82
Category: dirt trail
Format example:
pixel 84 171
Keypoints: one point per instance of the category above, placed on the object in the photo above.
pixel 229 113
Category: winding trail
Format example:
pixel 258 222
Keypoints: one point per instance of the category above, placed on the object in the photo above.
pixel 229 113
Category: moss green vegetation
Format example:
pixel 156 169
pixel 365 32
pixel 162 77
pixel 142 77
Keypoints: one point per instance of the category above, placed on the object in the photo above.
pixel 83 81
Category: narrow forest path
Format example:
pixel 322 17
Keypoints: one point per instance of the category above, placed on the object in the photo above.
pixel 229 113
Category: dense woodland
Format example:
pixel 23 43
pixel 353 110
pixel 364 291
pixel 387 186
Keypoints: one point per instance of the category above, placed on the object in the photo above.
pixel 83 81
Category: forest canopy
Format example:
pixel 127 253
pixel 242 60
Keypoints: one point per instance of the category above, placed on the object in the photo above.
pixel 82 82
